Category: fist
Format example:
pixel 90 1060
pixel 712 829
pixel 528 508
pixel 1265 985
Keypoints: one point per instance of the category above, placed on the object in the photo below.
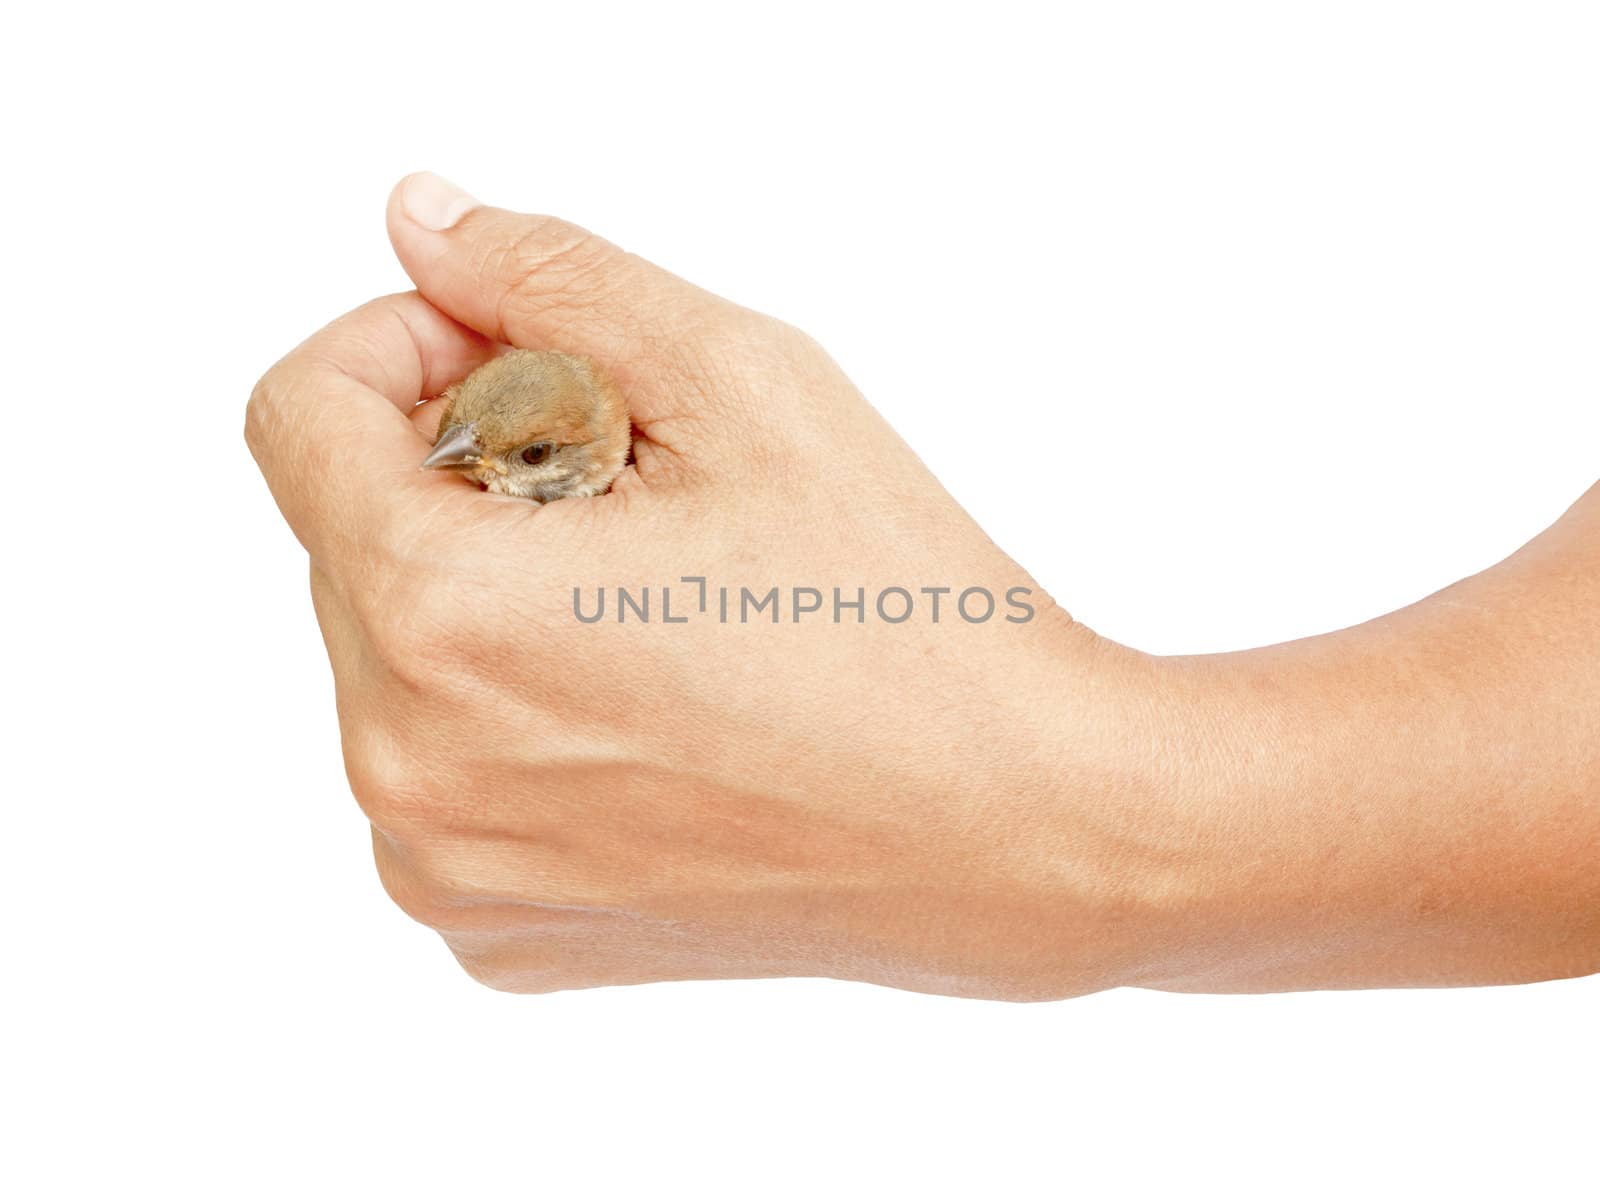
pixel 773 705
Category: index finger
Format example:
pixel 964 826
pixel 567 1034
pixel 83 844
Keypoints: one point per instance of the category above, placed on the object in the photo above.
pixel 327 423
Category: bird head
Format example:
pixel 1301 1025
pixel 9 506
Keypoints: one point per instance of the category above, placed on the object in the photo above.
pixel 534 423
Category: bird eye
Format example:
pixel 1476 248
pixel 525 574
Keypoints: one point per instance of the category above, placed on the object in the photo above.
pixel 537 453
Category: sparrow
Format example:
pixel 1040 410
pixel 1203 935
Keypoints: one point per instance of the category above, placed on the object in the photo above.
pixel 534 423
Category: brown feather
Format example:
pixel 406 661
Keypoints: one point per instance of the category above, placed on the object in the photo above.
pixel 527 397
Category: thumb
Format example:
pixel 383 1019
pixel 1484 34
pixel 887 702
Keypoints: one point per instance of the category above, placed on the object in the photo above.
pixel 539 282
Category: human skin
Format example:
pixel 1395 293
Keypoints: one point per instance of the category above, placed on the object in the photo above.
pixel 1002 810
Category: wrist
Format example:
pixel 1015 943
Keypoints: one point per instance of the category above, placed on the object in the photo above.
pixel 1071 883
pixel 1147 854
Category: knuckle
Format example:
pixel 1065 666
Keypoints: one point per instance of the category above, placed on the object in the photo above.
pixel 419 898
pixel 516 967
pixel 551 245
pixel 394 620
pixel 795 343
pixel 389 792
pixel 763 361
pixel 261 411
pixel 447 872
pixel 552 259
pixel 433 637
pixel 407 624
pixel 803 362
pixel 756 340
pixel 494 975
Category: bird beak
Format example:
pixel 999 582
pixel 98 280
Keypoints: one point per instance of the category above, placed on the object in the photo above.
pixel 457 447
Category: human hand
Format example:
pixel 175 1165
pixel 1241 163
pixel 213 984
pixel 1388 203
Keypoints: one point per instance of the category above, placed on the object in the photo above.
pixel 573 804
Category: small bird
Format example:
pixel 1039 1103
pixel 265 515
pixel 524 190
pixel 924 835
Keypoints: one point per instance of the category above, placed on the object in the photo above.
pixel 537 424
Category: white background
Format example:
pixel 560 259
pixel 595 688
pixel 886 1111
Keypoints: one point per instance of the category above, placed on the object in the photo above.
pixel 1296 303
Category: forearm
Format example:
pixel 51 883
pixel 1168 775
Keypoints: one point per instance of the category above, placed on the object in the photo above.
pixel 1415 801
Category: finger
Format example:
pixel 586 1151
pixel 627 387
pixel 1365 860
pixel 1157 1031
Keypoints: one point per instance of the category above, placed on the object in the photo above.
pixel 541 283
pixel 327 424
pixel 400 346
